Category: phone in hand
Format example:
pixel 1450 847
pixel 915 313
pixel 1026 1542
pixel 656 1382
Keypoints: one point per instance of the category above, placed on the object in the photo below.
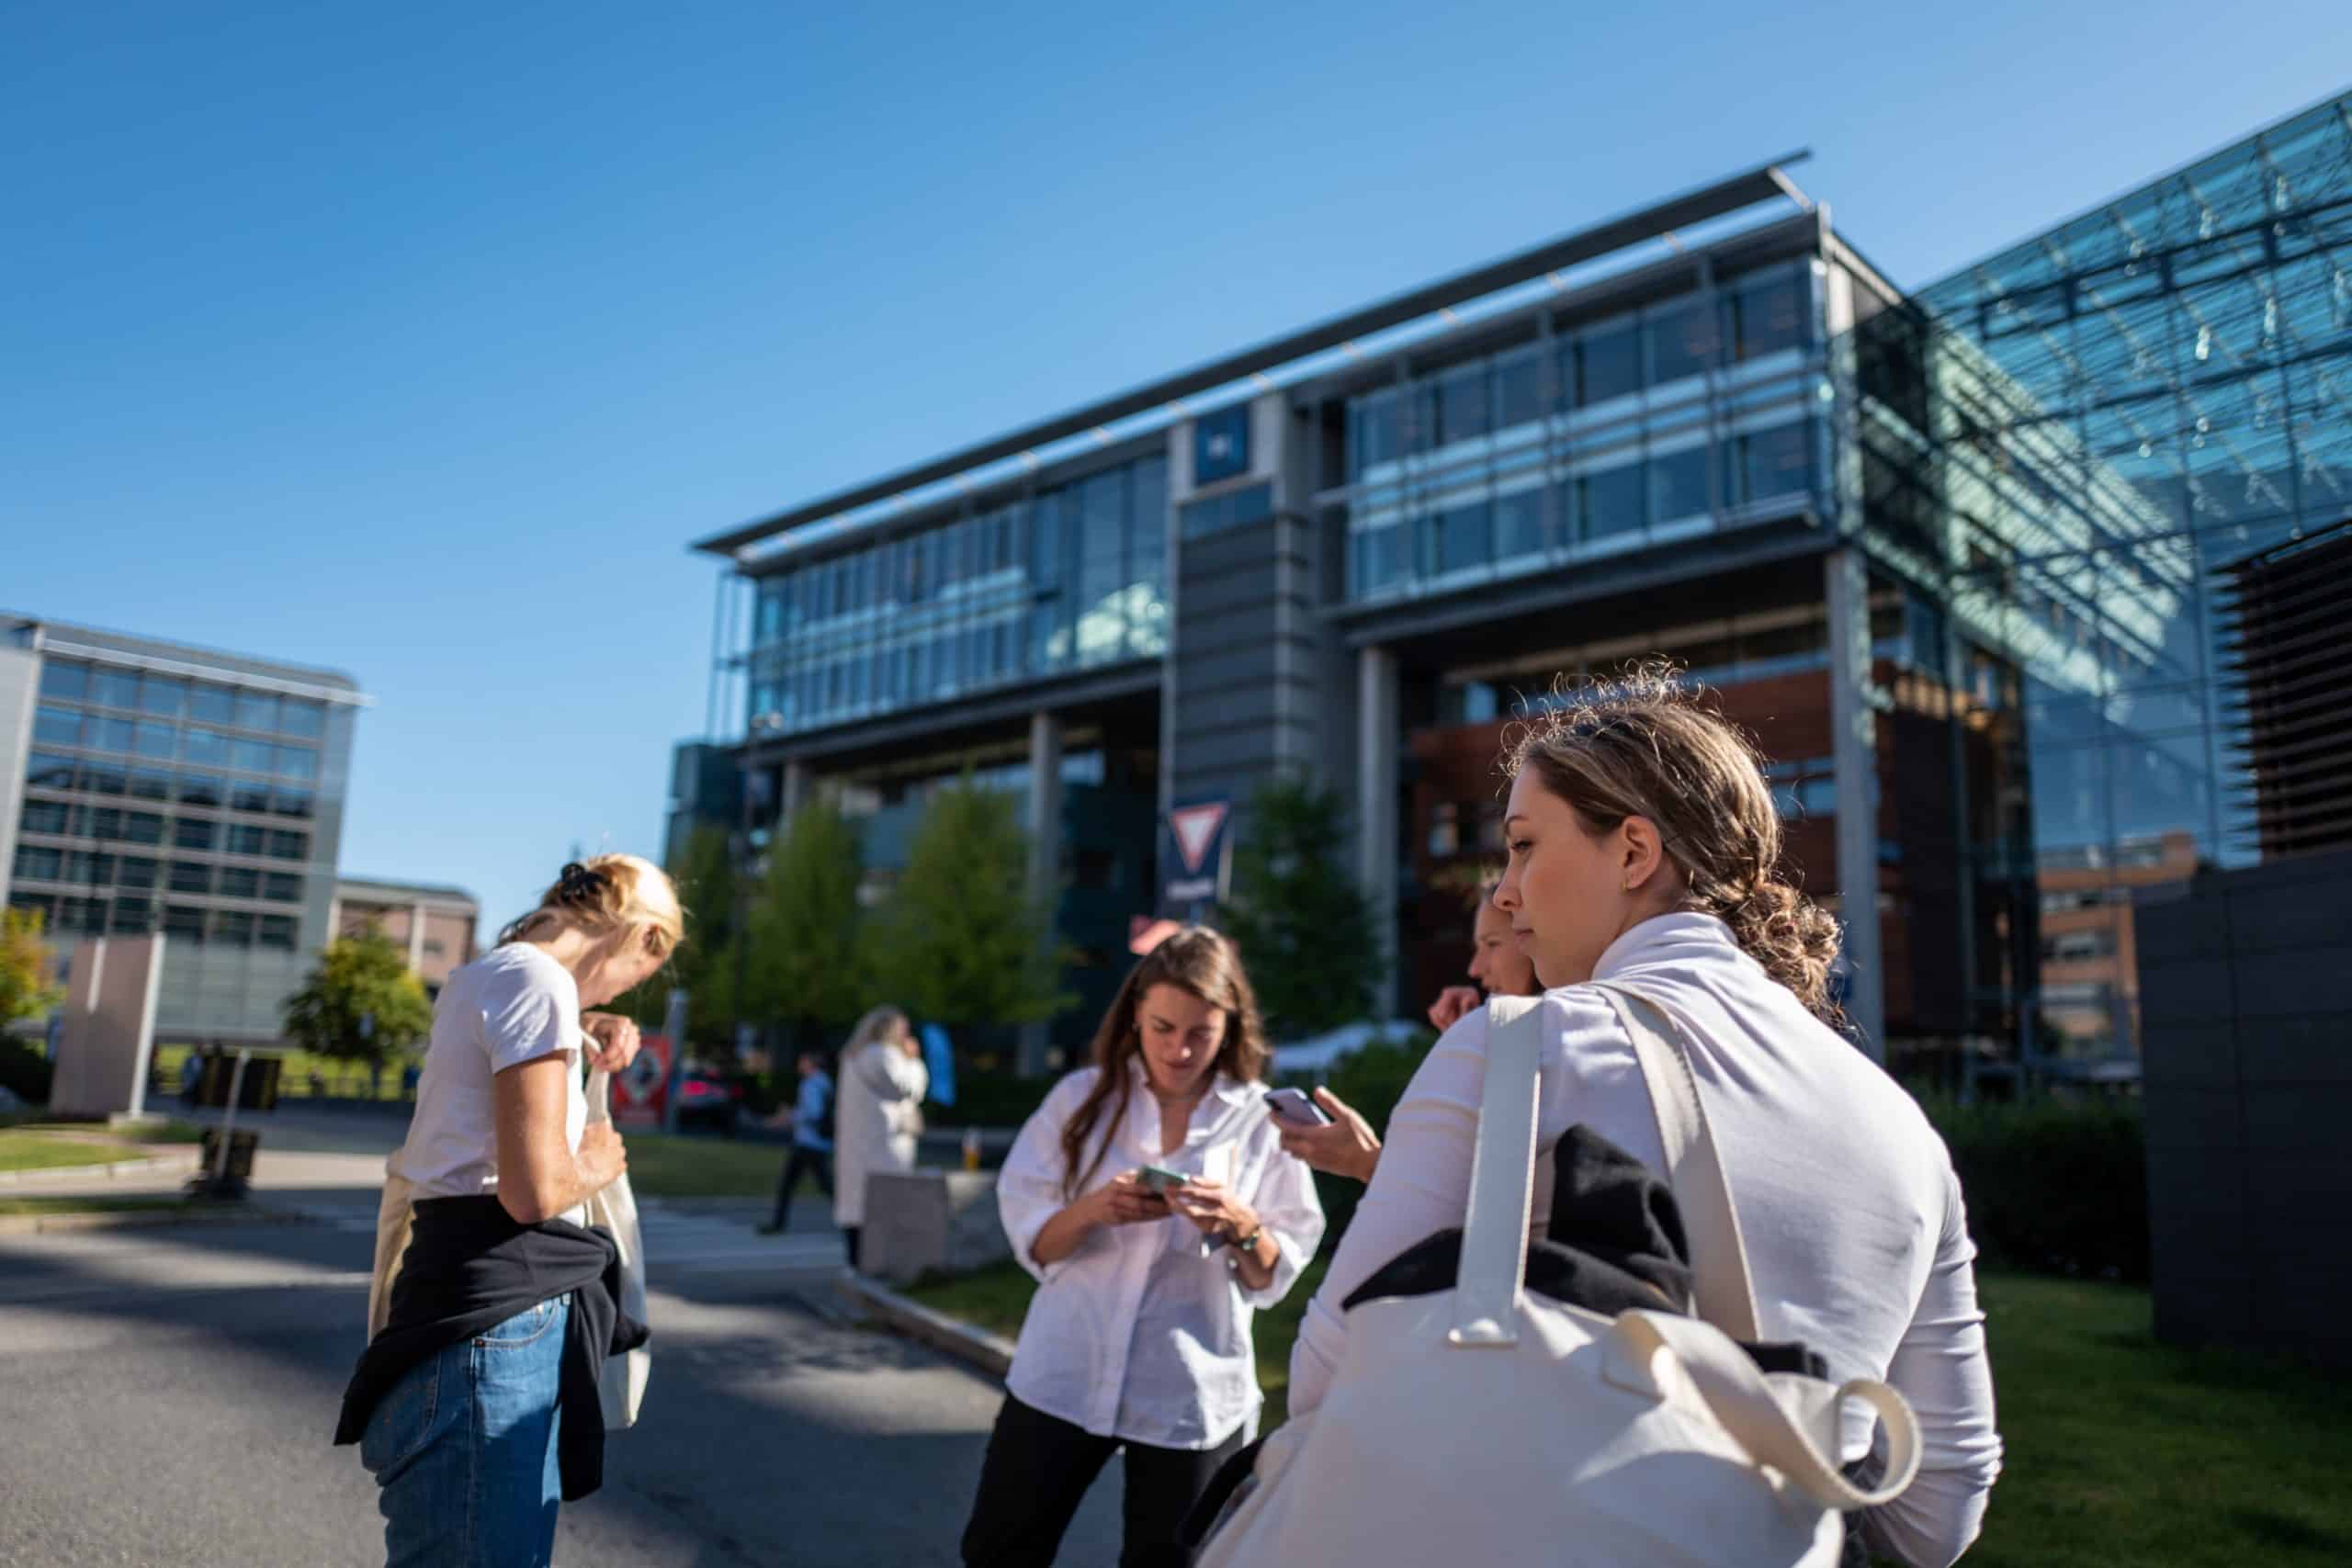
pixel 1293 1106
pixel 1160 1178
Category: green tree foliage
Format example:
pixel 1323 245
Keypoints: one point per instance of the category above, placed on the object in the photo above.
pixel 29 986
pixel 962 940
pixel 1305 928
pixel 806 965
pixel 360 1004
pixel 704 964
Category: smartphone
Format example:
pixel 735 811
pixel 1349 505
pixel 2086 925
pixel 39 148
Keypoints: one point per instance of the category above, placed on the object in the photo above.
pixel 1160 1178
pixel 1291 1105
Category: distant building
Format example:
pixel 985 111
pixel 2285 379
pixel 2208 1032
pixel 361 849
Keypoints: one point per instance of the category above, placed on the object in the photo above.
pixel 149 787
pixel 434 926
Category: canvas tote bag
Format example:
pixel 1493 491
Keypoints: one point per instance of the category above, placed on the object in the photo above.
pixel 1486 1425
pixel 621 1389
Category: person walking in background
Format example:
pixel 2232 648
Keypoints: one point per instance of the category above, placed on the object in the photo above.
pixel 1150 1197
pixel 475 1406
pixel 1347 1146
pixel 1646 853
pixel 879 1115
pixel 813 1144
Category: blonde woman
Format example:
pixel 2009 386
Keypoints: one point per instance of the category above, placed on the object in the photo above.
pixel 475 1407
pixel 877 1114
pixel 1646 853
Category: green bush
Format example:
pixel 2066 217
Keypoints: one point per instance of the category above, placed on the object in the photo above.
pixel 25 1071
pixel 2056 1186
pixel 991 1099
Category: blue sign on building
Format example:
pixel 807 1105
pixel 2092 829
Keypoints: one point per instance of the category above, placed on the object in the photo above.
pixel 1221 444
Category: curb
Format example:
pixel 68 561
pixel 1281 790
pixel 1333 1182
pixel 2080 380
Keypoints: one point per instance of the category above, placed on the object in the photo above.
pixel 66 1175
pixel 975 1347
pixel 71 1221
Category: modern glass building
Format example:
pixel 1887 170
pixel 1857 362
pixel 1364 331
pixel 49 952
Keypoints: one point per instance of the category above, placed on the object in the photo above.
pixel 2084 444
pixel 151 787
pixel 1954 558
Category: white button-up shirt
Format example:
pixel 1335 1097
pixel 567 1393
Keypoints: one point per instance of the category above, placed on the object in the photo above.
pixel 1143 1334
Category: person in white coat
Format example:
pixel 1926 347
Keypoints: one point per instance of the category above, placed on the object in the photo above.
pixel 1645 851
pixel 877 1113
pixel 1139 1335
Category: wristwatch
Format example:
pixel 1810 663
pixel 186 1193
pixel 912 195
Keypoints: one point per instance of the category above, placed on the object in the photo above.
pixel 1245 1243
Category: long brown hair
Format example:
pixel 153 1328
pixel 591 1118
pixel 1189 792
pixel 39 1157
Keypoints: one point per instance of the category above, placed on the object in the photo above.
pixel 1644 745
pixel 1196 960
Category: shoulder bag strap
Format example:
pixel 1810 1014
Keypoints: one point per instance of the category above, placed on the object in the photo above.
pixel 600 1096
pixel 1720 1278
pixel 1502 1175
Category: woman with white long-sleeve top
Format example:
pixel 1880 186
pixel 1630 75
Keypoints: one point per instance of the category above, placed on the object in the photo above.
pixel 1644 853
pixel 1140 1334
pixel 878 1112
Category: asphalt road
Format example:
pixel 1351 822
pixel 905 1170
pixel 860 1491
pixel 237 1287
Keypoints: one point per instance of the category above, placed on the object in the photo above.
pixel 166 1397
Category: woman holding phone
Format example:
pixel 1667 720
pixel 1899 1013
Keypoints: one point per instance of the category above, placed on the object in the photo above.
pixel 1152 1200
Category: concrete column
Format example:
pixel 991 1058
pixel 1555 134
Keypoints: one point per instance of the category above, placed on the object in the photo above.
pixel 1045 825
pixel 1854 733
pixel 416 938
pixel 1378 721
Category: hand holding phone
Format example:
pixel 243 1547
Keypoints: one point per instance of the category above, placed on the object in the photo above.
pixel 1160 1178
pixel 1293 1107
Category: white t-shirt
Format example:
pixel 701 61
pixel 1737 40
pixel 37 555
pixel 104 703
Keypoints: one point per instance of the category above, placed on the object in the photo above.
pixel 1856 1237
pixel 511 1006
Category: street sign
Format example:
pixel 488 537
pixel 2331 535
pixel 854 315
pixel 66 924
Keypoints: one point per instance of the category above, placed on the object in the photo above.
pixel 1195 856
pixel 641 1090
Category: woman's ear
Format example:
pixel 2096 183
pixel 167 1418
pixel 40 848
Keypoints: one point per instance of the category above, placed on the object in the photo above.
pixel 1641 852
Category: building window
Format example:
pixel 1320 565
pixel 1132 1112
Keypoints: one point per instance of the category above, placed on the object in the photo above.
pixel 182 923
pixel 46 816
pixel 137 871
pixel 163 695
pixel 64 678
pixel 47 769
pixel 1767 315
pixel 202 789
pixel 1611 502
pixel 433 947
pixel 240 881
pixel 56 726
pixel 1461 407
pixel 105 777
pixel 1773 462
pixel 278 932
pixel 257 710
pixel 109 734
pixel 194 833
pixel 133 917
pixel 302 719
pixel 1608 364
pixel 207 748
pixel 279 887
pixel 248 794
pixel 1519 394
pixel 233 927
pixel 253 756
pixel 1519 524
pixel 1464 537
pixel 284 845
pixel 244 841
pixel 1679 485
pixel 1234 509
pixel 114 688
pixel 150 783
pixel 142 827
pixel 212 705
pixel 190 876
pixel 39 865
pixel 293 802
pixel 1682 341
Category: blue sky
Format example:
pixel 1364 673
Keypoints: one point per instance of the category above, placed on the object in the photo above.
pixel 418 341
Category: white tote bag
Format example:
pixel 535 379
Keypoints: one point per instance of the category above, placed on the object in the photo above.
pixel 1483 1425
pixel 622 1386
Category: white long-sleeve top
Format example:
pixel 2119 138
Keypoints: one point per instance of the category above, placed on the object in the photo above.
pixel 876 1118
pixel 1857 1241
pixel 1138 1335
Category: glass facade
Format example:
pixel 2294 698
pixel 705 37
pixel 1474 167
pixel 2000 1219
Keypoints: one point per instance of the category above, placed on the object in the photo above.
pixel 2078 441
pixel 1071 578
pixel 206 810
pixel 1693 415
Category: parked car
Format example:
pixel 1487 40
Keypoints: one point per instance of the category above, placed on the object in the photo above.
pixel 708 1099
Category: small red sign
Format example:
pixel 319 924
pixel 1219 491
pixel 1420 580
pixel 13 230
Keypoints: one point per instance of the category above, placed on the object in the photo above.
pixel 641 1090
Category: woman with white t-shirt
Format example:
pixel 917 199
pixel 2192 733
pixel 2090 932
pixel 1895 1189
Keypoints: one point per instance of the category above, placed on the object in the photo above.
pixel 468 1404
pixel 1138 1336
pixel 1645 852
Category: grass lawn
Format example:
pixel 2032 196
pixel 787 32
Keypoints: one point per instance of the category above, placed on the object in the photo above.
pixel 341 1080
pixel 2119 1450
pixel 52 1146
pixel 661 1166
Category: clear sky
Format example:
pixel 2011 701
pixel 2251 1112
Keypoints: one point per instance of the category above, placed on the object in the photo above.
pixel 418 340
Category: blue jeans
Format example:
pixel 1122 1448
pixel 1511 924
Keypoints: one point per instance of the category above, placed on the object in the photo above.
pixel 464 1449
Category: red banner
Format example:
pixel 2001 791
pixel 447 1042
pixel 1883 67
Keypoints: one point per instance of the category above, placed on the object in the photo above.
pixel 641 1090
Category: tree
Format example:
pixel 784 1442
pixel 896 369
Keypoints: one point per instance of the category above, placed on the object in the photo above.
pixel 963 941
pixel 361 1003
pixel 704 965
pixel 29 986
pixel 806 962
pixel 1305 928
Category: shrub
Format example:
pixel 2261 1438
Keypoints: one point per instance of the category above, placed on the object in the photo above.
pixel 2056 1186
pixel 24 1071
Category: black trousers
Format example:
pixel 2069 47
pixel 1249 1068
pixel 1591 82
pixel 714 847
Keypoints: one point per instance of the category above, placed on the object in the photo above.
pixel 817 1163
pixel 1037 1473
